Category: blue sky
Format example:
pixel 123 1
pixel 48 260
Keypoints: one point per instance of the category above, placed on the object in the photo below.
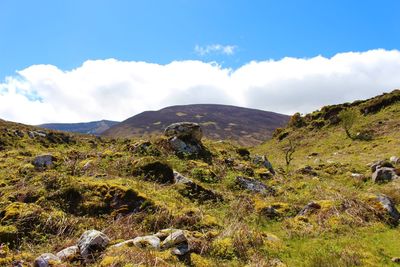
pixel 82 60
pixel 66 33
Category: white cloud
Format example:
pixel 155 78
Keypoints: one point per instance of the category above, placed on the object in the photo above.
pixel 215 48
pixel 112 89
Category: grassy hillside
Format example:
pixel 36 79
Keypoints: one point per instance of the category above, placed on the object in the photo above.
pixel 94 127
pixel 123 188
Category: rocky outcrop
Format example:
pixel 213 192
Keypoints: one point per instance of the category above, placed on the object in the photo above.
pixel 184 131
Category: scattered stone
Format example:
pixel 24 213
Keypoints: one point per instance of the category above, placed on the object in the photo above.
pixel 181 249
pixel 395 160
pixel 46 260
pixel 68 254
pixel 384 174
pixel 254 186
pixel 174 239
pixel 388 204
pixel 90 243
pixel 184 131
pixel 43 161
pixel 195 191
pixel 379 164
pixel 396 259
pixel 309 208
pixel 359 176
pixel 264 162
pixel 149 241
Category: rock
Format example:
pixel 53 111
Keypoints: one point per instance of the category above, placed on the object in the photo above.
pixel 45 260
pixel 164 233
pixel 33 134
pixel 309 208
pixel 68 254
pixel 181 249
pixel 388 204
pixel 264 162
pixel 307 170
pixel 396 259
pixel 149 241
pixel 270 212
pixel 379 164
pixel 90 243
pixel 175 238
pixel 395 160
pixel 43 161
pixel 254 186
pixel 185 147
pixel 384 174
pixel 359 177
pixel 192 190
pixel 184 131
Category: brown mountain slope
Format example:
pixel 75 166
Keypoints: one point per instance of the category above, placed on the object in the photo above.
pixel 243 125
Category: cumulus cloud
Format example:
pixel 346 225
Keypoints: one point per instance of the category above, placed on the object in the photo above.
pixel 113 89
pixel 215 48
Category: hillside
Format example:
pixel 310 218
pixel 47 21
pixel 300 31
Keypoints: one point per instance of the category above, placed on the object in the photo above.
pixel 241 125
pixel 184 200
pixel 93 127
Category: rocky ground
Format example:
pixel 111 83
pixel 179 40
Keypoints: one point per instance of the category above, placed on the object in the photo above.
pixel 311 196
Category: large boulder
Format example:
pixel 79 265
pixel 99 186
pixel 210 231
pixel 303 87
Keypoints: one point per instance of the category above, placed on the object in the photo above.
pixel 91 243
pixel 43 161
pixel 384 174
pixel 184 131
pixel 254 186
pixel 46 260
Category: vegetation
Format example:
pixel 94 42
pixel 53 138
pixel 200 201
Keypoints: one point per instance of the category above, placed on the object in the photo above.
pixel 348 118
pixel 319 212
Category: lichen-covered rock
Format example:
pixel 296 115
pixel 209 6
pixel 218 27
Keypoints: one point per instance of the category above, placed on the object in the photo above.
pixel 175 238
pixel 184 131
pixel 91 243
pixel 68 254
pixel 43 161
pixel 384 174
pixel 254 186
pixel 46 260
pixel 185 147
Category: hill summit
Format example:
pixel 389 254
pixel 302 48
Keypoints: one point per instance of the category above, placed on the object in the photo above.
pixel 241 125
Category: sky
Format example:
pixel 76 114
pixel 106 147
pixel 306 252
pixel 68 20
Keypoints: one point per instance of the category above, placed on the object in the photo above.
pixel 74 60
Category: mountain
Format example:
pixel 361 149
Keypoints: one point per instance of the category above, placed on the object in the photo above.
pixel 94 127
pixel 242 125
pixel 334 202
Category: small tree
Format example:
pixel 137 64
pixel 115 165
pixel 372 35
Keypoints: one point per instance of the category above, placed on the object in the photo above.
pixel 348 118
pixel 289 151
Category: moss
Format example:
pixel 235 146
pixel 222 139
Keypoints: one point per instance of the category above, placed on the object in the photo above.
pixel 204 175
pixel 199 261
pixel 223 248
pixel 8 234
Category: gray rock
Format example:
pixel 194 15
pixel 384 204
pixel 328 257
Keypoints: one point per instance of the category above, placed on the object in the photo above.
pixel 184 130
pixel 309 208
pixel 384 174
pixel 181 249
pixel 164 233
pixel 45 260
pixel 68 254
pixel 43 161
pixel 254 186
pixel 180 179
pixel 90 243
pixel 395 160
pixel 185 147
pixel 388 204
pixel 149 241
pixel 174 239
pixel 379 164
pixel 264 162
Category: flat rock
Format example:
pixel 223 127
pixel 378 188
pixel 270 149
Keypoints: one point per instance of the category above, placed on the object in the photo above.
pixel 46 260
pixel 68 254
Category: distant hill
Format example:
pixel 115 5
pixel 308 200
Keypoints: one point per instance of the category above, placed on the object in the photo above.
pixel 243 125
pixel 94 127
